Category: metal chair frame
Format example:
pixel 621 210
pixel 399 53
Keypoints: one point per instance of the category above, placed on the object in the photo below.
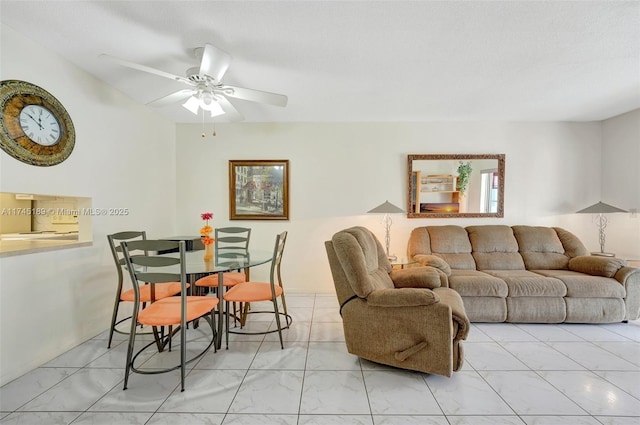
pixel 142 268
pixel 116 250
pixel 230 243
pixel 275 278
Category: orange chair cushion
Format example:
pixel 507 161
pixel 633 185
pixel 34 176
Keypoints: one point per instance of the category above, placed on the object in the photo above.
pixel 248 292
pixel 229 279
pixel 163 290
pixel 167 311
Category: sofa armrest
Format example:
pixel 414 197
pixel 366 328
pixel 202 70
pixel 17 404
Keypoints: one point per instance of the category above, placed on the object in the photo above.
pixel 596 265
pixel 416 277
pixel 629 278
pixel 433 261
pixel 405 297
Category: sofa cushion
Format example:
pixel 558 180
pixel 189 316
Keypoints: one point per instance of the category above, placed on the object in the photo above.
pixel 586 286
pixel 473 283
pixel 594 310
pixel 523 283
pixel 540 247
pixel 419 242
pixel 451 243
pixel 485 309
pixel 536 309
pixel 595 265
pixel 494 248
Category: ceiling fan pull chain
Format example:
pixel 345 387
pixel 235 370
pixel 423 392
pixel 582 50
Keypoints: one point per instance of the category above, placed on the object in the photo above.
pixel 202 122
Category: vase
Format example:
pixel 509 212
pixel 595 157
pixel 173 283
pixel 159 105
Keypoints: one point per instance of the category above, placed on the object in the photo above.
pixel 208 252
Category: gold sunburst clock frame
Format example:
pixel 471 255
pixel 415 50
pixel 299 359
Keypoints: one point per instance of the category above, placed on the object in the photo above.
pixel 15 95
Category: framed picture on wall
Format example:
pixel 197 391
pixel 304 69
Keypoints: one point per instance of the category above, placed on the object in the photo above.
pixel 259 189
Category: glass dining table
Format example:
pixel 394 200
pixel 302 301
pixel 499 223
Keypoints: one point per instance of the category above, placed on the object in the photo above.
pixel 197 266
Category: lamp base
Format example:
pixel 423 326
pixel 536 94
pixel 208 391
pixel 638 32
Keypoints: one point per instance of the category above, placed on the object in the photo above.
pixel 604 254
pixel 392 258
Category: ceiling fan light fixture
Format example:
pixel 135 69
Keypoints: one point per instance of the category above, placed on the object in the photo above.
pixel 215 109
pixel 192 104
pixel 206 98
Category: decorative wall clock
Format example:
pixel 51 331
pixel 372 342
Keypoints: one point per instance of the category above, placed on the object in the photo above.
pixel 34 126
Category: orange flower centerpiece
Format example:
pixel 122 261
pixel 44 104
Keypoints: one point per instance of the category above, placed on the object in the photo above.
pixel 205 236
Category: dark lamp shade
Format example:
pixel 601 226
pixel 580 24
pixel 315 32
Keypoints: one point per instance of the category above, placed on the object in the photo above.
pixel 600 208
pixel 386 208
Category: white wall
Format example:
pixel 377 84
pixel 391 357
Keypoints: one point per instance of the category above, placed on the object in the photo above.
pixel 123 157
pixel 340 171
pixel 621 182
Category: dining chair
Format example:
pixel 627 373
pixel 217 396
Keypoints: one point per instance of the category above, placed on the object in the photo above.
pixel 148 293
pixel 172 313
pixel 251 292
pixel 230 243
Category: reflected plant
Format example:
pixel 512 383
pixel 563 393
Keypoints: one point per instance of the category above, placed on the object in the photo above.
pixel 464 176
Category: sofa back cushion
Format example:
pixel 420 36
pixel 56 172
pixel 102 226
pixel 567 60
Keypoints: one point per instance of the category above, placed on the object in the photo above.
pixel 363 260
pixel 541 248
pixel 495 248
pixel 451 243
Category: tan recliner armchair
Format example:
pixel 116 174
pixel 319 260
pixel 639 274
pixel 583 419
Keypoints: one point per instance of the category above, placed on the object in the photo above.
pixel 401 318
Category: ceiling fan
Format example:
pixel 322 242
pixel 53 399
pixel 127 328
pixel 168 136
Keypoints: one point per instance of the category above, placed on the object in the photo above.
pixel 206 90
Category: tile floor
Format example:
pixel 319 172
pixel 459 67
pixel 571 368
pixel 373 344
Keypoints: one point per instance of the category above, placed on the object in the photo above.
pixel 513 374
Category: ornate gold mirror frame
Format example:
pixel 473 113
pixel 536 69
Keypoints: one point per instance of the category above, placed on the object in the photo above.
pixel 455 185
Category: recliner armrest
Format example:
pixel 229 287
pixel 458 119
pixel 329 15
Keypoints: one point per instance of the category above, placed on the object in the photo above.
pixel 403 297
pixel 452 299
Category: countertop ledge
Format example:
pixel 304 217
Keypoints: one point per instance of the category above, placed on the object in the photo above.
pixel 24 247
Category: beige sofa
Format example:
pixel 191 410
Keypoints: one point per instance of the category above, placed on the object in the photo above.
pixel 528 274
pixel 401 318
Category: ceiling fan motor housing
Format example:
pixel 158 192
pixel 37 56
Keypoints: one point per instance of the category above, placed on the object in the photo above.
pixel 193 74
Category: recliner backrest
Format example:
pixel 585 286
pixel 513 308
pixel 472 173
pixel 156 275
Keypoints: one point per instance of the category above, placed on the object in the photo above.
pixel 363 260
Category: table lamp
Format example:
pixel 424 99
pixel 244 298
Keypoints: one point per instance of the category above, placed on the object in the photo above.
pixel 387 208
pixel 601 209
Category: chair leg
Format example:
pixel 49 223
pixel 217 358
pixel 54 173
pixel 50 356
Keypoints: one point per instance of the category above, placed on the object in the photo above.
pixel 214 329
pixel 132 341
pixel 244 312
pixel 226 304
pixel 284 303
pixel 277 311
pixel 183 355
pixel 158 338
pixel 114 317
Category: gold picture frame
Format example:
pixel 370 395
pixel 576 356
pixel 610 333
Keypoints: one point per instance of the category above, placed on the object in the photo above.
pixel 259 189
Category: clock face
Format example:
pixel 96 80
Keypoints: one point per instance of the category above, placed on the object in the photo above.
pixel 34 126
pixel 39 124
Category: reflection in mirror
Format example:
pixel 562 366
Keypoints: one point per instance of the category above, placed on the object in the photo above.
pixel 443 186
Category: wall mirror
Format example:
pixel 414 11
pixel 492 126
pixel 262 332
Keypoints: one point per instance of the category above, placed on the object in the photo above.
pixel 456 185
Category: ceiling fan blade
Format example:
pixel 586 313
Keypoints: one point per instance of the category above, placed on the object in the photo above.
pixel 144 68
pixel 230 111
pixel 214 62
pixel 254 95
pixel 173 97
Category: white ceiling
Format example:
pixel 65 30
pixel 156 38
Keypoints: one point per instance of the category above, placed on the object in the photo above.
pixel 364 60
